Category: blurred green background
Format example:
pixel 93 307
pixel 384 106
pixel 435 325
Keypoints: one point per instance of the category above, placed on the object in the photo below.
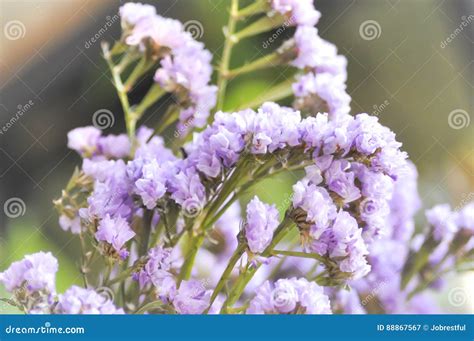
pixel 408 75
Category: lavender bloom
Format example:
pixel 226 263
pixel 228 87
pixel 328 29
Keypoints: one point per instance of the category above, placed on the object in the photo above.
pixel 187 74
pixel 36 271
pixel 111 193
pixel 340 180
pixel 114 146
pixel 262 220
pixel 316 203
pixel 322 92
pixel 442 221
pixel 84 140
pixel 77 300
pixel 151 186
pixel 299 12
pixel 116 232
pixel 465 217
pixel 72 224
pixel 191 297
pixel 156 34
pixel 157 268
pixel 132 13
pixel 289 296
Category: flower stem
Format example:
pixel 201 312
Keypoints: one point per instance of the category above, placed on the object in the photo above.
pixel 254 8
pixel 228 270
pixel 130 119
pixel 268 61
pixel 249 272
pixel 228 44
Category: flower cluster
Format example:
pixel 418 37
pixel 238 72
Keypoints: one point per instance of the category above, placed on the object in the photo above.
pixel 185 69
pixel 164 217
pixel 287 296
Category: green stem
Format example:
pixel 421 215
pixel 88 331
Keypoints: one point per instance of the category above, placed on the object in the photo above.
pixel 264 24
pixel 254 8
pixel 248 273
pixel 268 61
pixel 416 261
pixel 148 306
pixel 195 243
pixel 152 96
pixel 228 270
pixel 301 255
pixel 228 44
pixel 140 69
pixel 273 94
pixel 130 119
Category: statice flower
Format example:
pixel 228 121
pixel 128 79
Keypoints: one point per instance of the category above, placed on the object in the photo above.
pixel 185 68
pixel 77 300
pixel 116 232
pixel 35 272
pixel 321 88
pixel 111 194
pixel 156 269
pixel 186 74
pixel 286 296
pixel 465 217
pixel 84 140
pixel 298 12
pixel 320 92
pixel 191 297
pixel 70 224
pixel 262 220
pixel 443 221
pixel 132 13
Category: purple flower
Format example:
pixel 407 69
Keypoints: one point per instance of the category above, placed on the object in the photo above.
pixel 300 12
pixel 465 217
pixel 151 186
pixel 187 73
pixel 132 13
pixel 116 232
pixel 84 140
pixel 77 300
pixel 72 224
pixel 442 221
pixel 262 220
pixel 317 204
pixel 191 297
pixel 322 92
pixel 36 271
pixel 289 296
pixel 114 146
pixel 157 266
pixel 340 180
